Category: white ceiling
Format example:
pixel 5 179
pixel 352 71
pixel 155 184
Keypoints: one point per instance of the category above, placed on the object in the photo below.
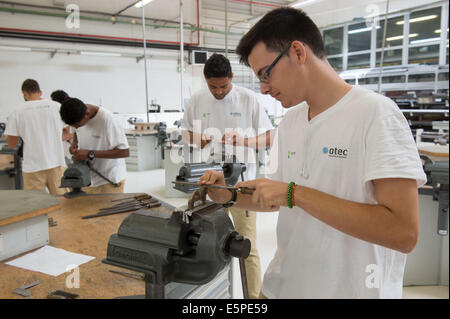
pixel 323 12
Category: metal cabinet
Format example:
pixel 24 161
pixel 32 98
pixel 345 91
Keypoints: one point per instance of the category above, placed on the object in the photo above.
pixel 145 154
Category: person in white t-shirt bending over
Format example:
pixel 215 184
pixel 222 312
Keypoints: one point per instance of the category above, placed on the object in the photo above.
pixel 227 114
pixel 344 172
pixel 38 123
pixel 100 139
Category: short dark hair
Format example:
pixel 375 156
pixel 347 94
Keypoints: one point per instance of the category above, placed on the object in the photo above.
pixel 277 29
pixel 72 111
pixel 30 86
pixel 217 66
pixel 59 96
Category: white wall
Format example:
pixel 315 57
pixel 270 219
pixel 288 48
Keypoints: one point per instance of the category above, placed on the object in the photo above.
pixel 116 83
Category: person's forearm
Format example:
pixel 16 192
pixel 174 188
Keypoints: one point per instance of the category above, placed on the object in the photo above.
pixel 114 153
pixel 372 223
pixel 261 141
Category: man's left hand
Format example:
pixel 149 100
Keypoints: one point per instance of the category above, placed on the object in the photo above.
pixel 81 155
pixel 269 194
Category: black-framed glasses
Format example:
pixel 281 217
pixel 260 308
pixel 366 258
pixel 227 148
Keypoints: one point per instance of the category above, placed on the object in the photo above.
pixel 266 75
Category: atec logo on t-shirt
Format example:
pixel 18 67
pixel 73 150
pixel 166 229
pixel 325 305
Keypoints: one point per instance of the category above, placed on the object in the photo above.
pixel 206 114
pixel 236 114
pixel 290 154
pixel 335 152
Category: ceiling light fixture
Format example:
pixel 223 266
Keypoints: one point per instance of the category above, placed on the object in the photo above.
pixel 362 30
pixel 419 19
pixel 300 4
pixel 9 48
pixel 99 53
pixel 425 40
pixel 139 4
pixel 399 37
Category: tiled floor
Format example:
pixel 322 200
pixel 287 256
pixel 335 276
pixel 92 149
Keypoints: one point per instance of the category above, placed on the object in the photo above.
pixel 147 181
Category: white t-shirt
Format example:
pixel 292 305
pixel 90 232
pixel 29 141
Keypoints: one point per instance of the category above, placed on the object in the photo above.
pixel 239 111
pixel 103 133
pixel 363 137
pixel 39 125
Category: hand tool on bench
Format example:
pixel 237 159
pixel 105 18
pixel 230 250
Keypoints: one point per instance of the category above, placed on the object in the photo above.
pixel 122 210
pixel 23 290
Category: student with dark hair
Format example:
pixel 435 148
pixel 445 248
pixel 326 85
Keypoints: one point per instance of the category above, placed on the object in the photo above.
pixel 100 139
pixel 344 172
pixel 237 118
pixel 59 96
pixel 38 123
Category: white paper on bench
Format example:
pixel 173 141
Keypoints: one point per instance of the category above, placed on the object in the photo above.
pixel 50 260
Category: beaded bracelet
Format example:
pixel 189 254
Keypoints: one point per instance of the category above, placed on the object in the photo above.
pixel 289 194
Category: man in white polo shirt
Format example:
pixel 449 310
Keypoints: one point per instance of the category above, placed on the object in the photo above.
pixel 228 114
pixel 100 139
pixel 38 123
pixel 344 172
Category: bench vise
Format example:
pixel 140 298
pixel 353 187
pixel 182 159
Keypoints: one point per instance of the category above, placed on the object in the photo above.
pixel 167 248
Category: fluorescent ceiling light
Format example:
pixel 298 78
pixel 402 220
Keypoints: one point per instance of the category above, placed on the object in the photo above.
pixel 362 30
pixel 139 4
pixel 425 40
pixel 439 31
pixel 9 48
pixel 424 18
pixel 99 53
pixel 399 37
pixel 300 4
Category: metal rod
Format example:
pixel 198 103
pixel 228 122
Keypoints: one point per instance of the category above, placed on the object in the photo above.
pixel 243 277
pixel 145 60
pixel 181 56
pixel 382 47
pixel 226 28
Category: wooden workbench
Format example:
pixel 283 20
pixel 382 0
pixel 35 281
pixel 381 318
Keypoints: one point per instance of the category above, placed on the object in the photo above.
pixel 83 236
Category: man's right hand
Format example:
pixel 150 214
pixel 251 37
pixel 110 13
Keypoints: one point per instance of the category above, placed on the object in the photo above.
pixel 216 178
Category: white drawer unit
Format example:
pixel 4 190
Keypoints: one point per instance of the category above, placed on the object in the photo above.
pixel 145 154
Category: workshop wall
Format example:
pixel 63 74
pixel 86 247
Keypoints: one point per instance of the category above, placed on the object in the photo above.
pixel 116 83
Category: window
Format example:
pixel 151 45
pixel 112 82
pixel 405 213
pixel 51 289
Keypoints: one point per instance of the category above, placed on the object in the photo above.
pixel 350 81
pixel 359 37
pixel 394 32
pixel 333 40
pixel 394 79
pixel 367 81
pixel 391 57
pixel 428 54
pixel 359 61
pixel 426 24
pixel 429 77
pixel 336 63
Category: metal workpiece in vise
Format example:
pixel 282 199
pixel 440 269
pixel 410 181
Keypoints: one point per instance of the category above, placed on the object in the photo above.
pixel 192 172
pixel 166 249
pixel 438 178
pixel 76 176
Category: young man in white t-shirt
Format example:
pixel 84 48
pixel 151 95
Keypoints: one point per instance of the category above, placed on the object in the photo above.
pixel 345 162
pixel 225 115
pixel 38 123
pixel 100 139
